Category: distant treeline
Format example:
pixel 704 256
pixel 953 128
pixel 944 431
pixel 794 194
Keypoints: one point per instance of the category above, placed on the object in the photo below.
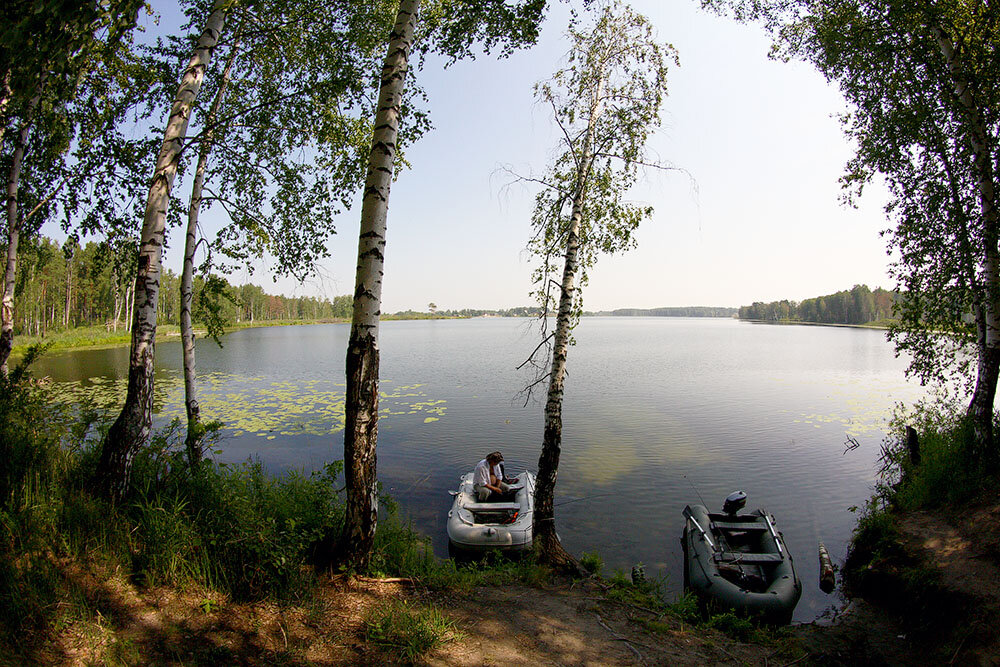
pixel 433 312
pixel 859 305
pixel 69 286
pixel 681 311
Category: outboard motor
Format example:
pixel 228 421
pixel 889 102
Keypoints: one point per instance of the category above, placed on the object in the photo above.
pixel 735 501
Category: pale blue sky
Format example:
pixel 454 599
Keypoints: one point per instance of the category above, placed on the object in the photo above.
pixel 761 220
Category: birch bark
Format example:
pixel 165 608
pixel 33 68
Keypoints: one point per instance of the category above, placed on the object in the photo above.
pixel 361 428
pixel 132 427
pixel 14 233
pixel 194 429
pixel 988 339
pixel 543 524
pixel 605 102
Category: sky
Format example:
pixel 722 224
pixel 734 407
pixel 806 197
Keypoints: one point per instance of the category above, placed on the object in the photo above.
pixel 754 215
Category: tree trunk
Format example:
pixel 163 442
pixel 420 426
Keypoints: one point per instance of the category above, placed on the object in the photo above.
pixel 361 428
pixel 14 233
pixel 546 542
pixel 977 135
pixel 195 429
pixel 69 290
pixel 132 427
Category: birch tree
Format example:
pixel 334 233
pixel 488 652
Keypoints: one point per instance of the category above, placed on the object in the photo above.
pixel 450 28
pixel 131 429
pixel 923 84
pixel 44 55
pixel 286 130
pixel 606 103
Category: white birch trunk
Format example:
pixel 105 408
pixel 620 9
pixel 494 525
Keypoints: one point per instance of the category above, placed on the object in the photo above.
pixel 132 427
pixel 543 524
pixel 69 291
pixel 977 135
pixel 14 234
pixel 361 428
pixel 187 275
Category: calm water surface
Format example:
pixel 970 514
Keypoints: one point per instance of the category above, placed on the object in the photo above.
pixel 656 412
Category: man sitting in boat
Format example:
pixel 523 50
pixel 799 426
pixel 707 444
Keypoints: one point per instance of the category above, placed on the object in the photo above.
pixel 497 473
pixel 485 481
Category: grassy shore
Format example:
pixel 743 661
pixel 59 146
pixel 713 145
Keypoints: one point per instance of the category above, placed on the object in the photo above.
pixel 101 336
pixel 878 324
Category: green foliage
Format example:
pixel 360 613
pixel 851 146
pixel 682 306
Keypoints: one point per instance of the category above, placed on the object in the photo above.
pixel 29 448
pixel 949 471
pixel 406 631
pixel 94 278
pixel 875 539
pixel 606 102
pixel 33 469
pixel 648 593
pixel 737 627
pixel 592 562
pixel 233 527
pixel 859 305
pixel 686 608
pixel 214 294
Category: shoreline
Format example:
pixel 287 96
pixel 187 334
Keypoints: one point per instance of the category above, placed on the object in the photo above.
pixel 99 337
pixel 870 325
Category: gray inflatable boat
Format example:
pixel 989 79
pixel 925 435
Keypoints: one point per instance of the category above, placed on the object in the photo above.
pixel 739 561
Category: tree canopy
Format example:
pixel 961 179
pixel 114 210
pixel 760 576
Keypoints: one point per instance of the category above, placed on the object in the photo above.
pixel 923 84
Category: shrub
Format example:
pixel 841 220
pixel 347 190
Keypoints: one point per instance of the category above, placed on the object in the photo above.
pixel 737 627
pixel 235 527
pixel 949 471
pixel 592 562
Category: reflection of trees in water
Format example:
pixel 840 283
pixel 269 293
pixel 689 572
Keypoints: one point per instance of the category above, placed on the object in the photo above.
pixel 255 406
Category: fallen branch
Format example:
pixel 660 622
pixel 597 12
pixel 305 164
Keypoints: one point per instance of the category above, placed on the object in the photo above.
pixel 619 638
pixel 386 580
pixel 629 604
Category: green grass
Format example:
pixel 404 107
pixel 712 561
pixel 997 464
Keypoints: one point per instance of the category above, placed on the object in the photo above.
pixel 949 471
pixel 408 631
pixel 592 562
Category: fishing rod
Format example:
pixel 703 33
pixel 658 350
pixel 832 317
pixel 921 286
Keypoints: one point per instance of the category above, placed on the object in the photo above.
pixel 576 500
pixel 695 490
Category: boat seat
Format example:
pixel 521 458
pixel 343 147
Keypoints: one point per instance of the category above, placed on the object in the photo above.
pixel 740 557
pixel 491 507
pixel 748 526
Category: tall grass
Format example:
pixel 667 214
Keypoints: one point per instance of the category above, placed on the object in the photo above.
pixel 948 472
pixel 408 631
pixel 232 528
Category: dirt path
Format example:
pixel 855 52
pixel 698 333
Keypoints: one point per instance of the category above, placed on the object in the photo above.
pixel 577 626
pixel 565 624
pixel 963 554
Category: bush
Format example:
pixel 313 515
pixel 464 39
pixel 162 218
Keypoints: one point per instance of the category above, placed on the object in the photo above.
pixel 228 526
pixel 592 562
pixel 948 472
pixel 737 627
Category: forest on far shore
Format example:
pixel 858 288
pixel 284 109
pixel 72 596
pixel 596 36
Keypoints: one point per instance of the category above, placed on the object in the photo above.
pixel 858 305
pixel 72 285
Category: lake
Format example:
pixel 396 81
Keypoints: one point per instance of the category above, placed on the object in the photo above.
pixel 658 413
